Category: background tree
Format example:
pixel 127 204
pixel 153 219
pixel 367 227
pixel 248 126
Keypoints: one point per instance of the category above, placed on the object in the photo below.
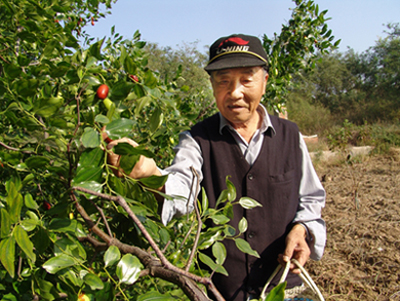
pixel 295 50
pixel 359 87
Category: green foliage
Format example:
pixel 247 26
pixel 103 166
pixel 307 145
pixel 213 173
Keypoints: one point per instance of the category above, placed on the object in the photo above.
pixel 312 118
pixel 184 67
pixel 295 49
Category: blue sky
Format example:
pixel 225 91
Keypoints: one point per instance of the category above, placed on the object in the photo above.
pixel 359 23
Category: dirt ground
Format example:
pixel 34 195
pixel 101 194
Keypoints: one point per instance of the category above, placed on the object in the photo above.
pixel 362 256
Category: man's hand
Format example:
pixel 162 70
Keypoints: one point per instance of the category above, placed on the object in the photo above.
pixel 296 247
pixel 144 168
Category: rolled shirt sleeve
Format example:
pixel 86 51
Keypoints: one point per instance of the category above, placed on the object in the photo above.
pixel 180 178
pixel 311 202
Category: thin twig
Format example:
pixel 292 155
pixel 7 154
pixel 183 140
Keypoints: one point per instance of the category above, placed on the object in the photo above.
pixel 104 219
pixel 196 241
pixel 121 201
pixel 189 197
pixel 14 149
pixel 78 98
pixel 166 246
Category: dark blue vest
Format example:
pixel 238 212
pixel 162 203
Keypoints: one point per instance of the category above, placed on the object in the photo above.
pixel 273 181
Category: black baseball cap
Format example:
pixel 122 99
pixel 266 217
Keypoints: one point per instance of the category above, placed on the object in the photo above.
pixel 235 51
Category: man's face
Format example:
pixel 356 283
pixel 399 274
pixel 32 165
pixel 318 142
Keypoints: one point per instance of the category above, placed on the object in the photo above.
pixel 238 93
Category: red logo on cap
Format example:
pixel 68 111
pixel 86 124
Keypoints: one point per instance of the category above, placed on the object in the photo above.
pixel 238 41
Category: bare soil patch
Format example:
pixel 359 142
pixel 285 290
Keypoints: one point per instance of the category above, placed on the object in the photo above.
pixel 362 256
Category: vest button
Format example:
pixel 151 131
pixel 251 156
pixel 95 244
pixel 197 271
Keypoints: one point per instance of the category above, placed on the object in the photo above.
pixel 250 177
pixel 251 235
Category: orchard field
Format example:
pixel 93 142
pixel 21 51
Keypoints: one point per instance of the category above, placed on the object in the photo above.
pixel 362 258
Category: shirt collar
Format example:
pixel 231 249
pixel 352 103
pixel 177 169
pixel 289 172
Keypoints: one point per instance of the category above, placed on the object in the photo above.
pixel 266 121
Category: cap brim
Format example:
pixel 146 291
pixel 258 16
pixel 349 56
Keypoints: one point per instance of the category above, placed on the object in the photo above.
pixel 234 60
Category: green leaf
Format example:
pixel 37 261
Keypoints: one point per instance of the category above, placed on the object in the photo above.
pixel 12 70
pixel 249 203
pixel 102 119
pixel 111 256
pixel 7 255
pixel 63 225
pixel 69 276
pixel 277 293
pixel 222 197
pixel 207 239
pixel 119 128
pixel 154 182
pixel 91 80
pixel 41 240
pixel 229 231
pixel 9 297
pixel 204 201
pixel 164 236
pixel 90 62
pixel 30 202
pixel 69 247
pixel 90 185
pixel 213 266
pixel 91 158
pixel 106 294
pixel 150 80
pixel 156 120
pixel 95 49
pixel 15 208
pixel 228 210
pixel 219 252
pixel 128 269
pixel 55 264
pixel 93 281
pixel 220 219
pixel 125 148
pixel 88 174
pixel 121 90
pixel 50 46
pixel 90 138
pixel 244 246
pixel 26 88
pixel 47 107
pixel 37 162
pixel 127 162
pixel 22 239
pixel 129 65
pixel 155 296
pixel 46 289
pixel 243 225
pixel 5 226
pixel 231 190
pixel 29 224
pixel 141 103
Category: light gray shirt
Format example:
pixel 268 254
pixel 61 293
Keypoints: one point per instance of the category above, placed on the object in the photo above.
pixel 188 153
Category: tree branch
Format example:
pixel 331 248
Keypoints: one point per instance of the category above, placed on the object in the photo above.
pixel 14 149
pixel 196 240
pixel 157 268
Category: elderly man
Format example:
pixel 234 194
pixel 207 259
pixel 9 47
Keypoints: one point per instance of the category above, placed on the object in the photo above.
pixel 266 159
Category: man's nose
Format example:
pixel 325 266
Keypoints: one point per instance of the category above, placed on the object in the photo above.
pixel 236 89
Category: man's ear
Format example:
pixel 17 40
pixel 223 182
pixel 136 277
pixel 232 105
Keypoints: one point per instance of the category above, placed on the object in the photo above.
pixel 265 80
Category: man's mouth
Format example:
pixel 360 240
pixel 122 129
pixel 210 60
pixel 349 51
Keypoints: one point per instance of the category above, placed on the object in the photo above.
pixel 235 107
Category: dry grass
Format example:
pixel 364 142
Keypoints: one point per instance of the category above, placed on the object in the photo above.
pixel 362 259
